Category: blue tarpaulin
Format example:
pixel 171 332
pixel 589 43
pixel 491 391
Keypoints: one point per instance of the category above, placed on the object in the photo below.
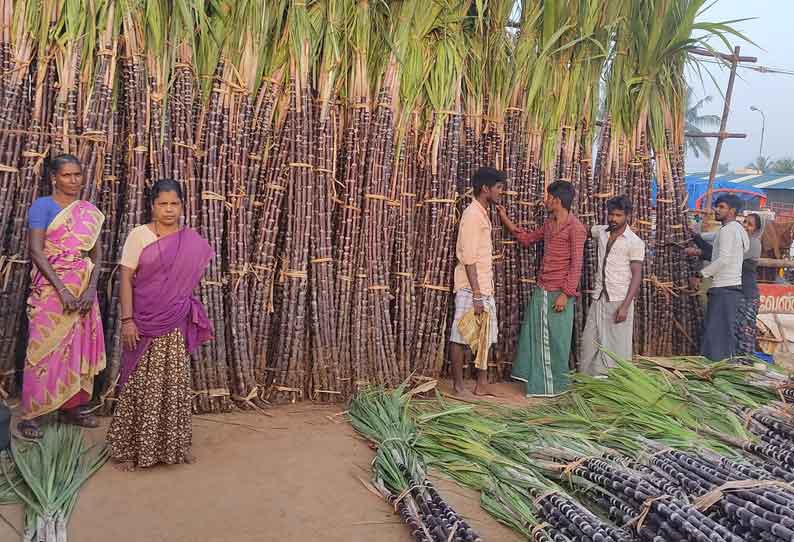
pixel 747 186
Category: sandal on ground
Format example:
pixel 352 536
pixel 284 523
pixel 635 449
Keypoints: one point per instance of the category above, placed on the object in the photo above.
pixel 29 430
pixel 81 418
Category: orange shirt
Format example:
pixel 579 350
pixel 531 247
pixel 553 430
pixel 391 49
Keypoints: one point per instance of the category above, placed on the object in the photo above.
pixel 475 247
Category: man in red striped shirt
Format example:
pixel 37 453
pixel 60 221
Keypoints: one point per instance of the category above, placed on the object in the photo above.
pixel 544 345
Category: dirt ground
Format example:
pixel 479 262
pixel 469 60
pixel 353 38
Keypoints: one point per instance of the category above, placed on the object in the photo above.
pixel 292 475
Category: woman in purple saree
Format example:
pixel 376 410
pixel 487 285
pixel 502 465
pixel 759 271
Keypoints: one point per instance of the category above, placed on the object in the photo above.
pixel 162 324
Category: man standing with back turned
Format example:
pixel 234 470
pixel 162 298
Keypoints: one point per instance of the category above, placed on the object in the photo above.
pixel 725 269
pixel 474 286
pixel 610 320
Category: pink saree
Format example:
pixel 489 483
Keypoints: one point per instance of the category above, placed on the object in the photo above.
pixel 65 351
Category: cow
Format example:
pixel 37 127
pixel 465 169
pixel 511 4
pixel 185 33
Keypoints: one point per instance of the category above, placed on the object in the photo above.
pixel 775 243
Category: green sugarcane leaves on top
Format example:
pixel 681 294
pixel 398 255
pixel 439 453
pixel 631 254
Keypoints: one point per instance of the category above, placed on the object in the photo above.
pixel 53 469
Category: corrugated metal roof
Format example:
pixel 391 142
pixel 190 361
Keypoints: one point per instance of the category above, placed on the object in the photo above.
pixel 774 181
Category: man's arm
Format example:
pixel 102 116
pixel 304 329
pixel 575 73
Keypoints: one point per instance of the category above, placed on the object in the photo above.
pixel 705 246
pixel 467 255
pixel 471 274
pixel 634 288
pixel 571 285
pixel 523 237
pixel 730 245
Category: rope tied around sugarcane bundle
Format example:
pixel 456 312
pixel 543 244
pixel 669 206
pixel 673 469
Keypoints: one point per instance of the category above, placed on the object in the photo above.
pixel 539 529
pixel 39 156
pixel 241 273
pixel 569 469
pixel 248 398
pixel 287 273
pixel 208 195
pixel 645 509
pixel 198 153
pixel 545 495
pixel 436 288
pixel 706 501
pixel 6 264
pixel 667 288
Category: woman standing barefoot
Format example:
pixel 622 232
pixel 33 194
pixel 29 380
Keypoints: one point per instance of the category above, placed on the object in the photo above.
pixel 162 323
pixel 66 347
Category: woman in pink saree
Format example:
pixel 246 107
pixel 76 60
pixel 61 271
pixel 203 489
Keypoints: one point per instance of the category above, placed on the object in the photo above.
pixel 162 324
pixel 66 347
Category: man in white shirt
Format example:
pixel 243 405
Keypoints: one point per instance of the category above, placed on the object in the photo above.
pixel 725 270
pixel 610 320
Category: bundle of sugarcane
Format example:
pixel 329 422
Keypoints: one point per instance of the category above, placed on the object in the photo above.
pixel 439 194
pixel 291 366
pixel 269 177
pixel 325 385
pixel 399 470
pixel 628 495
pixel 435 254
pixel 753 503
pixel 373 298
pixel 403 263
pixel 53 470
pixel 26 98
pixel 248 104
pixel 351 180
pixel 459 441
pixel 531 183
pixel 373 336
pixel 95 121
pixel 408 32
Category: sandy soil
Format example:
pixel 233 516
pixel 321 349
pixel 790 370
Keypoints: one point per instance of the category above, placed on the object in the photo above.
pixel 293 475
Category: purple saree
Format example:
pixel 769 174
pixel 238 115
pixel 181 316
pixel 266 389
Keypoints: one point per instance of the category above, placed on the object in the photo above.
pixel 168 272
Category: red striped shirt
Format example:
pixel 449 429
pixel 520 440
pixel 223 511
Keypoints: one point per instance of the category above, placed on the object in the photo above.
pixel 563 252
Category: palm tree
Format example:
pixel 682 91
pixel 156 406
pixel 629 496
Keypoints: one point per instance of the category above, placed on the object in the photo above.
pixel 784 165
pixel 762 163
pixel 695 123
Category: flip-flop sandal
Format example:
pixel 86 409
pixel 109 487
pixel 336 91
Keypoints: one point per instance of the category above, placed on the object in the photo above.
pixel 29 430
pixel 80 419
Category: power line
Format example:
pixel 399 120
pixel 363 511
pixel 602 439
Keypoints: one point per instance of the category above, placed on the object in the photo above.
pixel 760 69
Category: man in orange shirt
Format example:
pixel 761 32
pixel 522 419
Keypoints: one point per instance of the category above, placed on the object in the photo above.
pixel 474 286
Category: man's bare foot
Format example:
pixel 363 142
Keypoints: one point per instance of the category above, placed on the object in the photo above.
pixel 482 390
pixel 460 393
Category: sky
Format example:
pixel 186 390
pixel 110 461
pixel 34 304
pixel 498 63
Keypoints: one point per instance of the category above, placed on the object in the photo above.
pixel 772 31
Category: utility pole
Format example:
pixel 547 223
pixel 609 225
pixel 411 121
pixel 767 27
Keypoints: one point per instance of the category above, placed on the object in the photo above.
pixel 722 135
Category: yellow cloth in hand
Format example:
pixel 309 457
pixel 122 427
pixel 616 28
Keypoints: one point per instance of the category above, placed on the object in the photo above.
pixel 476 331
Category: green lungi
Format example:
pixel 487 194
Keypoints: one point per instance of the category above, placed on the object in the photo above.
pixel 544 345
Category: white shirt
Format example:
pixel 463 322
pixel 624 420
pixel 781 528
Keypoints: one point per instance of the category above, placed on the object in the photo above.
pixel 616 270
pixel 725 268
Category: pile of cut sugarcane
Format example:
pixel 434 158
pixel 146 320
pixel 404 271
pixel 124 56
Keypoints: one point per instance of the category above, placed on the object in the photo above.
pixel 671 449
pixel 325 148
